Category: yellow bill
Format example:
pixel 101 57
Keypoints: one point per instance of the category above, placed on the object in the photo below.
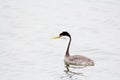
pixel 56 37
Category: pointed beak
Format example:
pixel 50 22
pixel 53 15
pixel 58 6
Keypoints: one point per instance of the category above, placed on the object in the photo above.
pixel 56 37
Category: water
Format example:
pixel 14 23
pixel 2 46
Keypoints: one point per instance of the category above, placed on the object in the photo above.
pixel 27 51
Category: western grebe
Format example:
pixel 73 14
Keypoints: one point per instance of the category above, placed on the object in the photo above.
pixel 77 60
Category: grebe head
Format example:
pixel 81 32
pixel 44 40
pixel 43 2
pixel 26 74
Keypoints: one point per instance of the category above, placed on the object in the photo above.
pixel 64 33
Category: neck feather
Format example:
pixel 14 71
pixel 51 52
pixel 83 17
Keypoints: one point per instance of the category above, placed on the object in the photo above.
pixel 67 51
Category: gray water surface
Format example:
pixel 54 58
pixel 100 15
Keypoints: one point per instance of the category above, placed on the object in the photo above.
pixel 27 51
